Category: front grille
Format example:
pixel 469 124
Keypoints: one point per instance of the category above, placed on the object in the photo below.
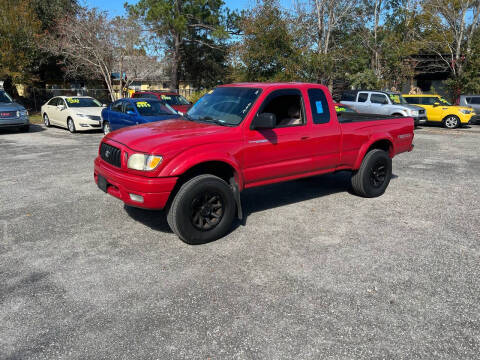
pixel 111 154
pixel 421 112
pixel 94 117
pixel 8 114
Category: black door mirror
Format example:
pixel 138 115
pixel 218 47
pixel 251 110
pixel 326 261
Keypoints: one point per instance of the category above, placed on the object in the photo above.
pixel 264 121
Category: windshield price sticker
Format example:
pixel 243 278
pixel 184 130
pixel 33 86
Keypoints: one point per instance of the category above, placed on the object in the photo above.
pixel 340 109
pixel 395 98
pixel 73 101
pixel 143 104
pixel 164 97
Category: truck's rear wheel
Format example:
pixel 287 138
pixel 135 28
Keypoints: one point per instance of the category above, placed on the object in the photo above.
pixel 202 210
pixel 374 174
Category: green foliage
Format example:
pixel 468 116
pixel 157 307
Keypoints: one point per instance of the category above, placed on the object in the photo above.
pixel 366 80
pixel 267 52
pixel 195 96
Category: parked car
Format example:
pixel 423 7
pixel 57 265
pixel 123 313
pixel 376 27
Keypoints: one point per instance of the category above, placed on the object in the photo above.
pixel 129 112
pixel 12 114
pixel 472 101
pixel 241 136
pixel 382 103
pixel 441 111
pixel 75 113
pixel 175 100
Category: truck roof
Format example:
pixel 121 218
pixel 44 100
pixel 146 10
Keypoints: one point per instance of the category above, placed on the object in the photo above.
pixel 266 85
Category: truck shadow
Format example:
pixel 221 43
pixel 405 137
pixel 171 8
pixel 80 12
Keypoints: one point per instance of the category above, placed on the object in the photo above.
pixel 263 198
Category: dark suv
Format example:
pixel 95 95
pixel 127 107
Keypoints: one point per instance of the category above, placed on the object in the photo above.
pixel 12 114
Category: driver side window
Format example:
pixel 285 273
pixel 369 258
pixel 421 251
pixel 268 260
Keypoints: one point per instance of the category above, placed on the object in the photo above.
pixel 287 106
pixel 128 107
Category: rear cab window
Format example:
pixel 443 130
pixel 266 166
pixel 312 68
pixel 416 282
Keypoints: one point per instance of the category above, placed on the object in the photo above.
pixel 319 106
pixel 362 97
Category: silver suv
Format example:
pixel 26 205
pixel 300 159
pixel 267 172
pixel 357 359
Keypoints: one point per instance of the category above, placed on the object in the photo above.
pixel 12 114
pixel 383 103
pixel 472 101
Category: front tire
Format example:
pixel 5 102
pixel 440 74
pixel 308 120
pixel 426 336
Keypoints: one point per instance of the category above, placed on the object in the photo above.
pixel 71 125
pixel 106 128
pixel 46 120
pixel 374 175
pixel 451 122
pixel 203 210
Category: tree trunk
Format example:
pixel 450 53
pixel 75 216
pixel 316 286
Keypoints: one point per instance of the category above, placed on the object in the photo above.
pixel 174 82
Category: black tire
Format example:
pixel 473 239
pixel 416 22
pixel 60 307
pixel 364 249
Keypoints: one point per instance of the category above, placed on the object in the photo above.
pixel 46 120
pixel 71 125
pixel 196 207
pixel 451 122
pixel 24 128
pixel 374 174
pixel 106 128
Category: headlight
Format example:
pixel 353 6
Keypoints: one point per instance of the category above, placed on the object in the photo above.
pixel 464 111
pixel 23 113
pixel 143 162
pixel 81 115
pixel 414 112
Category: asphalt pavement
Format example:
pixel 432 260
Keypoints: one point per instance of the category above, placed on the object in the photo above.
pixel 315 272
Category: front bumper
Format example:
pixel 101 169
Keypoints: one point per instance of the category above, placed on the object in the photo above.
pixel 12 122
pixel 475 120
pixel 419 120
pixel 87 124
pixel 154 191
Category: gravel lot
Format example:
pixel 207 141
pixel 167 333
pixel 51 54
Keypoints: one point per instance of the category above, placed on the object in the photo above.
pixel 316 272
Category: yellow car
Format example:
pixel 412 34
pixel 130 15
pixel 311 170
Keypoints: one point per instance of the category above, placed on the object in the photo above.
pixel 441 111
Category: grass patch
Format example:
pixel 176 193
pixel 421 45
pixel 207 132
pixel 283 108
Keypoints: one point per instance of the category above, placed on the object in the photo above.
pixel 35 118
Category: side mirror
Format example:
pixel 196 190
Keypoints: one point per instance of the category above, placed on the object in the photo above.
pixel 130 112
pixel 264 121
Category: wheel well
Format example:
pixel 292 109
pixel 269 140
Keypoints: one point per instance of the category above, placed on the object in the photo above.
pixel 397 114
pixel 218 168
pixel 384 145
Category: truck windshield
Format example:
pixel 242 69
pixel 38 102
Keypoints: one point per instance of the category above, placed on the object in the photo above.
pixel 397 99
pixel 76 102
pixel 5 98
pixel 224 105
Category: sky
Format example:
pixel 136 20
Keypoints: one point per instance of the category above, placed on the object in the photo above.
pixel 115 7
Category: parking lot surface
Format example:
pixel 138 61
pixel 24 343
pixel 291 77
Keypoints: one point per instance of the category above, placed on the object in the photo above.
pixel 315 272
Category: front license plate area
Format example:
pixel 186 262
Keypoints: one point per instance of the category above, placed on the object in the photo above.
pixel 102 183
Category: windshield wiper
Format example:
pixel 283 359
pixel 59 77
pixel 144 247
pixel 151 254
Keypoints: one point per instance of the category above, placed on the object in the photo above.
pixel 209 119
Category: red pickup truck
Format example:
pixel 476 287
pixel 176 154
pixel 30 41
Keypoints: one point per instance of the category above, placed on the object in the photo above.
pixel 240 136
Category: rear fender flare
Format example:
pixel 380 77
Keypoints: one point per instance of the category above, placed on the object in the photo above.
pixel 365 147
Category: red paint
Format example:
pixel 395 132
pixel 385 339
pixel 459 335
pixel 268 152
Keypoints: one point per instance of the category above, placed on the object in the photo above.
pixel 288 153
pixel 159 94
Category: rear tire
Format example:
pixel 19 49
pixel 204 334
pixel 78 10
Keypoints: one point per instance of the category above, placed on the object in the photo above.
pixel 71 125
pixel 203 210
pixel 374 175
pixel 451 122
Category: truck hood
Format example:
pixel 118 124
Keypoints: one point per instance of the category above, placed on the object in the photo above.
pixel 412 107
pixel 87 110
pixel 170 136
pixel 11 107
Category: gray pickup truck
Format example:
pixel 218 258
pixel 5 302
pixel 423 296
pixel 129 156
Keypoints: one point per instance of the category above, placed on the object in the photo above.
pixel 383 103
pixel 472 101
pixel 12 114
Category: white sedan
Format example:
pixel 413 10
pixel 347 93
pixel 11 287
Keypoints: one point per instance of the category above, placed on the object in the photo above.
pixel 76 113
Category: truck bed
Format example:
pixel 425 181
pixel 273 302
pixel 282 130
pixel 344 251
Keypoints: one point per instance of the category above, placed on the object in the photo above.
pixel 346 117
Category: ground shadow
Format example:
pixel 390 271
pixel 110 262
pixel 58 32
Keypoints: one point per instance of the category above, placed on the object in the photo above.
pixel 263 198
pixel 154 219
pixel 14 130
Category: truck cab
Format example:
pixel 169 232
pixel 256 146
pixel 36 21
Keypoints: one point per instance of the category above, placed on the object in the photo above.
pixel 240 136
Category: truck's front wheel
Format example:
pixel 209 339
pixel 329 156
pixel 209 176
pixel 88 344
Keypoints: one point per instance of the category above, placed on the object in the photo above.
pixel 374 174
pixel 203 210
